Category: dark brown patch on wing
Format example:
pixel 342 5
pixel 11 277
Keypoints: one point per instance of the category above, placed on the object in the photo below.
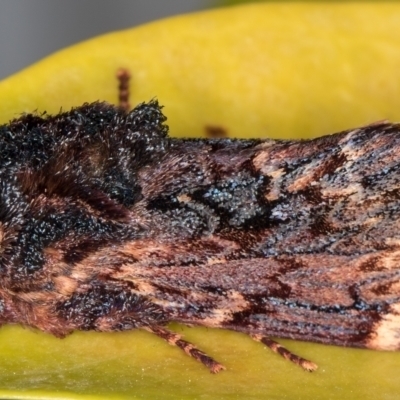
pixel 372 264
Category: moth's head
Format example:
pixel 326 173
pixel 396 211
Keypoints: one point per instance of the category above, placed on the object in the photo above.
pixel 113 135
pixel 95 128
pixel 94 147
pixel 120 145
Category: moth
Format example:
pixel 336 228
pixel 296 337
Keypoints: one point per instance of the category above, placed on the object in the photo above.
pixel 109 224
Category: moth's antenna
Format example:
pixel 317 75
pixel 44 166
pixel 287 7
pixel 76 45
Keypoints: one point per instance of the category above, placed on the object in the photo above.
pixel 123 76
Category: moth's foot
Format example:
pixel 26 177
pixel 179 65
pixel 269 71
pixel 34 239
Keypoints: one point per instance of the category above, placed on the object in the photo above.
pixel 214 366
pixel 198 355
pixel 190 349
pixel 285 353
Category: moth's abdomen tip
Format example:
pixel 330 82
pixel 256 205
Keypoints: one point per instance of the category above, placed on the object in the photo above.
pixel 385 334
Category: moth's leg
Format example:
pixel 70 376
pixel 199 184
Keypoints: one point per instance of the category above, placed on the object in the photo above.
pixel 123 77
pixel 285 353
pixel 191 350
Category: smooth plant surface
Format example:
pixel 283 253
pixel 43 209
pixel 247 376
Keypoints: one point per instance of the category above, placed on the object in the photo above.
pixel 136 365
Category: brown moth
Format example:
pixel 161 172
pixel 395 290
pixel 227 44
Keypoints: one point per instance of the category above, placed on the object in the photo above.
pixel 109 224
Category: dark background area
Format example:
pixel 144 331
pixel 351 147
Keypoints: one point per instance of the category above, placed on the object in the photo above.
pixel 33 29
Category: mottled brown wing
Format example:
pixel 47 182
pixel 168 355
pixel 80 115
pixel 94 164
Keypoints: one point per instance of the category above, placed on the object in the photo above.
pixel 343 300
pixel 108 224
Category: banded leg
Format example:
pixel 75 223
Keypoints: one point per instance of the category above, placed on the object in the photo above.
pixel 123 77
pixel 191 350
pixel 285 353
